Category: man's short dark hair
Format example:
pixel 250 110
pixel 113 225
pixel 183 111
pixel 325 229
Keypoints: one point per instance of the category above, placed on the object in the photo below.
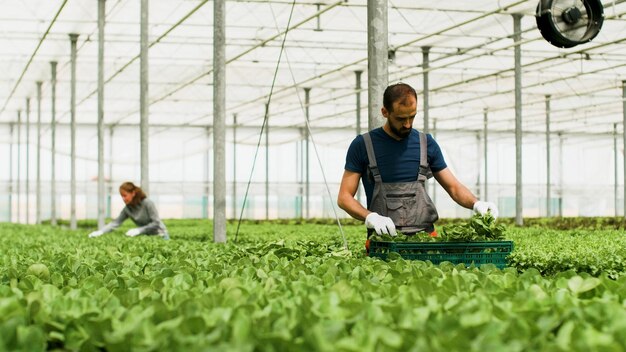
pixel 397 92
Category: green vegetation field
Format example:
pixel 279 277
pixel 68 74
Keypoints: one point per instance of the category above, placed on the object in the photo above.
pixel 289 286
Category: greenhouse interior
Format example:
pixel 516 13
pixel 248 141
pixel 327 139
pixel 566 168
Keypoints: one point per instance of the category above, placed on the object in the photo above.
pixel 235 118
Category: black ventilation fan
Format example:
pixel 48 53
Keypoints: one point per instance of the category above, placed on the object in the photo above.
pixel 567 23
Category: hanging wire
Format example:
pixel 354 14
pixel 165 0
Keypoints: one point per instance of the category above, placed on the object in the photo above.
pixel 269 99
pixel 308 127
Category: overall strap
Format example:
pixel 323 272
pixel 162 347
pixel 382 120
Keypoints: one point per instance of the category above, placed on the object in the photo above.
pixel 424 172
pixel 371 156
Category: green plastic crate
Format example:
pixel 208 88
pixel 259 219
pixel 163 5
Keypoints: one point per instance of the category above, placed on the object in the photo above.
pixel 478 253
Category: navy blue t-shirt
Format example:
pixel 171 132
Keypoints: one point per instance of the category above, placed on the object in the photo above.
pixel 398 161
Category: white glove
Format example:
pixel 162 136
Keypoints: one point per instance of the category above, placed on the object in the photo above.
pixel 380 224
pixel 482 208
pixel 133 232
pixel 96 234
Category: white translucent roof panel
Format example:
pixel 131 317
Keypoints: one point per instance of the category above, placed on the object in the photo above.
pixel 471 60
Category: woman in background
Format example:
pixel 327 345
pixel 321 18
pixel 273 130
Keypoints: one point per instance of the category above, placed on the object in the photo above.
pixel 140 210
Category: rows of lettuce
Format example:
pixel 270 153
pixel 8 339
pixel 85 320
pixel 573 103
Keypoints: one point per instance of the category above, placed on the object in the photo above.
pixel 292 286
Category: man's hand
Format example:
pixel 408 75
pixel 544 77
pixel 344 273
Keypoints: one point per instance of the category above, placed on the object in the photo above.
pixel 96 234
pixel 133 232
pixel 380 224
pixel 481 208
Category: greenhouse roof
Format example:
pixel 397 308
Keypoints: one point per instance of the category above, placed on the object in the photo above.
pixel 471 60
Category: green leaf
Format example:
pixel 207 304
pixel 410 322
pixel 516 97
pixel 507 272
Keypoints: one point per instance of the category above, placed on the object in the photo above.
pixel 579 285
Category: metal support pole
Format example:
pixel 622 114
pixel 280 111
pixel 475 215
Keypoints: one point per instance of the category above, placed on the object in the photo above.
pixel 38 186
pixel 358 118
pixel 234 166
pixel 615 168
pixel 433 191
pixel 143 98
pixel 19 166
pixel 560 202
pixel 425 67
pixel 11 173
pixel 307 138
pixel 485 159
pixel 267 162
pixel 478 190
pixel 548 178
pixel 110 181
pixel 624 138
pixel 73 40
pixel 101 197
pixel 300 172
pixel 27 193
pixel 318 24
pixel 219 120
pixel 207 161
pixel 377 55
pixel 517 36
pixel 53 191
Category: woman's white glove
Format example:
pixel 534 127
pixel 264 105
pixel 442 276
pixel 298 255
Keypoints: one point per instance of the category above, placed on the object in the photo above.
pixel 96 234
pixel 133 232
pixel 380 224
pixel 481 208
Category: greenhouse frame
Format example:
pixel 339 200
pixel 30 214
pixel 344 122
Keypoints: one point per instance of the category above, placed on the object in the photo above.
pixel 98 92
pixel 247 175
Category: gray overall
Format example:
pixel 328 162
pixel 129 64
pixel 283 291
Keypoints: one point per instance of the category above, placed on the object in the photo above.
pixel 406 203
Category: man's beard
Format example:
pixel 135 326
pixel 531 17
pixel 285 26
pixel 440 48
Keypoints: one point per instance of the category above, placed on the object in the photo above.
pixel 397 132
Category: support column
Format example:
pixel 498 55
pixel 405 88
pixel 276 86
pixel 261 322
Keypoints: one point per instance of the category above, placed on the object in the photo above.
pixel 615 168
pixel 517 37
pixel 205 190
pixel 426 91
pixel 27 193
pixel 485 143
pixel 10 172
pixel 143 98
pixel 307 138
pixel 434 184
pixel 560 202
pixel 53 191
pixel 267 162
pixel 19 166
pixel 624 139
pixel 234 165
pixel 377 55
pixel 101 197
pixel 300 172
pixel 73 40
pixel 110 181
pixel 219 121
pixel 358 118
pixel 38 186
pixel 548 178
pixel 479 194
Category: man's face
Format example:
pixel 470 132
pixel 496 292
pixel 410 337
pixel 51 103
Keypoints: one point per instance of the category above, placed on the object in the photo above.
pixel 400 120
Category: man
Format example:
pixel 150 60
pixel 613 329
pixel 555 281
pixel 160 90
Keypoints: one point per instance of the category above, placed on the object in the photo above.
pixel 393 162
